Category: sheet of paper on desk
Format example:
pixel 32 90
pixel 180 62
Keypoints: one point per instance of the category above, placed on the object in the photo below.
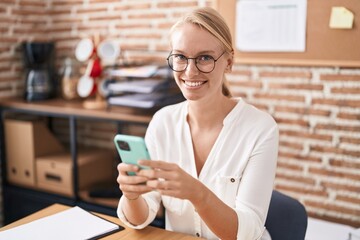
pixel 73 223
pixel 271 25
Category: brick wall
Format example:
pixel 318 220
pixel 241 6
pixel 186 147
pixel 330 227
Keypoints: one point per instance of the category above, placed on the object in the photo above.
pixel 317 109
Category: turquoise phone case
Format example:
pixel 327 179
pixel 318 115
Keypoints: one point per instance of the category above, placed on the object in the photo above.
pixel 131 149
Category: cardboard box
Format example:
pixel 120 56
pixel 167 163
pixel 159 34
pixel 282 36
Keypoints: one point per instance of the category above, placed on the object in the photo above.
pixel 24 141
pixel 54 172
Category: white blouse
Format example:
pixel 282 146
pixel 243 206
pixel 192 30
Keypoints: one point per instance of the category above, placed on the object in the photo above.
pixel 240 168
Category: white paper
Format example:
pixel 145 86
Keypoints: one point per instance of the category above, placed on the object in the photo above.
pixel 137 86
pixel 137 72
pixel 71 224
pixel 271 25
pixel 319 229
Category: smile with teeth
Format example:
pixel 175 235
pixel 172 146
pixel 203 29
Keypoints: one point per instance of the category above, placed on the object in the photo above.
pixel 193 84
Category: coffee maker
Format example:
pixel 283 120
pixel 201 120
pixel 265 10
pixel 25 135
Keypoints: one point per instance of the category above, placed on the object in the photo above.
pixel 41 77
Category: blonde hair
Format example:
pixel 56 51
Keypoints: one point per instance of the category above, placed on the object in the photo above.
pixel 209 19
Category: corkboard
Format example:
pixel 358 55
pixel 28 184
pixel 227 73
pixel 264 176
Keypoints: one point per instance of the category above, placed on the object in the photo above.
pixel 324 46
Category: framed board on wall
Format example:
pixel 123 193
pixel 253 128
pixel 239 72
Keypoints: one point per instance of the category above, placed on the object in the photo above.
pixel 324 46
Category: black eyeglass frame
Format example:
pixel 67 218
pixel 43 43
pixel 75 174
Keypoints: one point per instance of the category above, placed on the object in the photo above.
pixel 187 61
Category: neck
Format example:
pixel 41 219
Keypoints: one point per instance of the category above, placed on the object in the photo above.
pixel 208 114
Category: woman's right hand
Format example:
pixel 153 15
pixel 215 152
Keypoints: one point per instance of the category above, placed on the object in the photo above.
pixel 131 186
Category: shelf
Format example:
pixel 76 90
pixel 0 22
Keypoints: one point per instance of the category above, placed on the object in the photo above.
pixel 59 107
pixel 19 201
pixel 109 202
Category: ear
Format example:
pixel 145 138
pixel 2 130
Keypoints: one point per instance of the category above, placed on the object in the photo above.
pixel 230 62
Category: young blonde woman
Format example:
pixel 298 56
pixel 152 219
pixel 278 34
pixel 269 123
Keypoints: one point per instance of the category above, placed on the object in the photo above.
pixel 213 156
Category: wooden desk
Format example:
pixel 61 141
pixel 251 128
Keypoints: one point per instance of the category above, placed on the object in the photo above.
pixel 127 234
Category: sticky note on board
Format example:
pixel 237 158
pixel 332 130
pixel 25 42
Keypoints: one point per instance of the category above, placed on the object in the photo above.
pixel 341 18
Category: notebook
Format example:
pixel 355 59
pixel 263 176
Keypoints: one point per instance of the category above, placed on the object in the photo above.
pixel 72 224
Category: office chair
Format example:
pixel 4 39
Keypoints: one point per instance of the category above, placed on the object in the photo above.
pixel 286 219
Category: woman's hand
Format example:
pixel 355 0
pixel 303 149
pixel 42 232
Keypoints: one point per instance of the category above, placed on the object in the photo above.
pixel 169 179
pixel 131 186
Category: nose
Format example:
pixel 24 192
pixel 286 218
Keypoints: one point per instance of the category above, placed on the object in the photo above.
pixel 191 68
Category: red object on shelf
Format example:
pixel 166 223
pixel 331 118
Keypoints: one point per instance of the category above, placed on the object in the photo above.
pixel 96 68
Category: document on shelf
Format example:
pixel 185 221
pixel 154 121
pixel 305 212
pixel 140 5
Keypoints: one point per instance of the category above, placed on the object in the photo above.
pixel 137 72
pixel 73 223
pixel 140 100
pixel 271 25
pixel 138 86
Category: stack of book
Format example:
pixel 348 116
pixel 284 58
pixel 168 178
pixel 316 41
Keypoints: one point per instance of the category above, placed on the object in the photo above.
pixel 145 87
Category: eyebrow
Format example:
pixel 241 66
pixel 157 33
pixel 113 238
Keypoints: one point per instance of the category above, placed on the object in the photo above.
pixel 198 54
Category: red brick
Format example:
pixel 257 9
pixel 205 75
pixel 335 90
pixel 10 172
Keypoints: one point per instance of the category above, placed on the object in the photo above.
pixel 4 88
pixel 65 12
pixel 105 18
pixel 259 106
pixel 297 179
pixel 349 116
pixel 287 165
pixel 301 158
pixel 346 90
pixel 124 25
pixel 26 12
pixel 267 74
pixel 165 25
pixel 351 140
pixel 298 122
pixel 132 7
pixel 337 127
pixel 340 186
pixel 302 191
pixel 297 146
pixel 336 150
pixel 91 10
pixel 175 4
pixel 25 3
pixel 297 86
pixel 103 1
pixel 62 3
pixel 334 173
pixel 345 164
pixel 303 110
pixel 303 134
pixel 147 16
pixel 246 84
pixel 238 93
pixel 340 77
pixel 336 102
pixel 134 46
pixel 145 35
pixel 280 97
pixel 6 20
pixel 353 200
pixel 247 73
pixel 162 47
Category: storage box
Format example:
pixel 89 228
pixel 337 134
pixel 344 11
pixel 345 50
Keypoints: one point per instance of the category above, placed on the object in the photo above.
pixel 24 141
pixel 54 172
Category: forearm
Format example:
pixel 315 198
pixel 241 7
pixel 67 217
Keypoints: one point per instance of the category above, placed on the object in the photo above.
pixel 136 211
pixel 219 217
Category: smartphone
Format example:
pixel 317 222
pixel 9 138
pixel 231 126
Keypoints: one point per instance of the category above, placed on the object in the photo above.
pixel 131 149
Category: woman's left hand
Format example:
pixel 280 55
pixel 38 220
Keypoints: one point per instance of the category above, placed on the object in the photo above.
pixel 169 179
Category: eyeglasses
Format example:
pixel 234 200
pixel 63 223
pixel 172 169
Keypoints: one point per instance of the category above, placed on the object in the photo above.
pixel 204 63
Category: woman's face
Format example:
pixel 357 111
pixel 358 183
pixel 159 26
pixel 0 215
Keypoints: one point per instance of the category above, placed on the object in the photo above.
pixel 191 41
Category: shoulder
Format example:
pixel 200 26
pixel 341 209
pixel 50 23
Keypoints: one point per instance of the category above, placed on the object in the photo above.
pixel 170 112
pixel 255 118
